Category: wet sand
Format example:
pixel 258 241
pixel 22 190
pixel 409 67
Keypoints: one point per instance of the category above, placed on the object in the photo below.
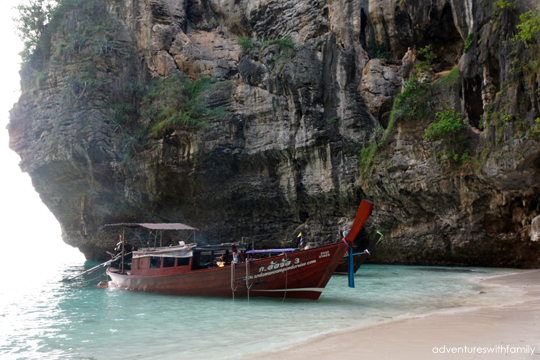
pixel 489 332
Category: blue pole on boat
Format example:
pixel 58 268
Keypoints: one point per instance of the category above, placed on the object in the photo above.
pixel 351 268
pixel 350 264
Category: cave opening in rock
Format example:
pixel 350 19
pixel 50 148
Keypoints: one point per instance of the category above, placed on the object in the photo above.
pixel 495 72
pixel 536 163
pixel 533 204
pixel 303 216
pixel 445 40
pixel 524 102
pixel 473 101
pixel 384 112
pixel 405 35
pixel 363 25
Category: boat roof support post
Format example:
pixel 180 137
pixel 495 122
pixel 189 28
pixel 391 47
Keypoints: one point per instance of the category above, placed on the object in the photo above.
pixel 123 249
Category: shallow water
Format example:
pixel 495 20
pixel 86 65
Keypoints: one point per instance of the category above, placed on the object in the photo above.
pixel 42 317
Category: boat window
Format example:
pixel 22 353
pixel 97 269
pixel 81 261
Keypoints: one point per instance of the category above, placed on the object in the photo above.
pixel 182 261
pixel 205 260
pixel 168 262
pixel 202 260
pixel 155 263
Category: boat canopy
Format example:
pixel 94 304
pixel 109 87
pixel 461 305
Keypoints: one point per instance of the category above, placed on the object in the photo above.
pixel 220 247
pixel 155 226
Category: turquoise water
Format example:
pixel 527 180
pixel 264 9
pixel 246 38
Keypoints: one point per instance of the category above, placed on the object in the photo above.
pixel 42 317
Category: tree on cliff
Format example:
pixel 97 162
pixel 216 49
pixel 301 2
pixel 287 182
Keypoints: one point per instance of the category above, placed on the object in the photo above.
pixel 31 25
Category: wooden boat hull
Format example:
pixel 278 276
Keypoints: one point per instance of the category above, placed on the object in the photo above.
pixel 299 275
pixel 343 266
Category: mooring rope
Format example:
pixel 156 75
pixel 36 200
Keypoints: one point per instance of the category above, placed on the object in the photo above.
pixel 286 279
pixel 86 282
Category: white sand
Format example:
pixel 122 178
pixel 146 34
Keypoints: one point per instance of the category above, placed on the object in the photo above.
pixel 501 329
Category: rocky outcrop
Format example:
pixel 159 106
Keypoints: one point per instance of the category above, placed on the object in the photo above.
pixel 535 229
pixel 287 156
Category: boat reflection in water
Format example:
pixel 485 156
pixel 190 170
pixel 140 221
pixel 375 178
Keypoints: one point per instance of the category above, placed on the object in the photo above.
pixel 189 269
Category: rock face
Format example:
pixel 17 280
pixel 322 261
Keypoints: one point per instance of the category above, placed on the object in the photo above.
pixel 535 229
pixel 287 156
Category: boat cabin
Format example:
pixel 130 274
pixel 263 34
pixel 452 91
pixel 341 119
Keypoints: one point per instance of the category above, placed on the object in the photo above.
pixel 172 259
pixel 179 259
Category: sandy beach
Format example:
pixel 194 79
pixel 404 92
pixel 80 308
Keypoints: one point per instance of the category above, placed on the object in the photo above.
pixel 504 331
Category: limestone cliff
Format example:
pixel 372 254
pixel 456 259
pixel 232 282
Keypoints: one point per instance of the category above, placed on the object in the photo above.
pixel 308 123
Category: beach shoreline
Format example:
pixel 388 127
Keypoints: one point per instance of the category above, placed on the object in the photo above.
pixel 507 330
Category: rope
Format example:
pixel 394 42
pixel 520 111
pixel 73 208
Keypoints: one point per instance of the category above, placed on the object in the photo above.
pixel 232 280
pixel 86 282
pixel 248 285
pixel 286 279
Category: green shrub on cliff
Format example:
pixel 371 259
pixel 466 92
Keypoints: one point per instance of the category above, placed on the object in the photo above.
pixel 529 35
pixel 286 44
pixel 424 64
pixel 468 42
pixel 372 154
pixel 452 78
pixel 176 103
pixel 414 102
pixel 535 130
pixel 529 28
pixel 449 130
pixel 380 51
pixel 366 158
pixel 247 43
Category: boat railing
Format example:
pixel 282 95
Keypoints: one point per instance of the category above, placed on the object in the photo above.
pixel 233 288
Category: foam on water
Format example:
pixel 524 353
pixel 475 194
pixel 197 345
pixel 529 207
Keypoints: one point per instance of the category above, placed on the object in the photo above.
pixel 41 317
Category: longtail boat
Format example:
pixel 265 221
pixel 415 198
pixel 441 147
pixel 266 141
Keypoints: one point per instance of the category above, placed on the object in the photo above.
pixel 189 269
